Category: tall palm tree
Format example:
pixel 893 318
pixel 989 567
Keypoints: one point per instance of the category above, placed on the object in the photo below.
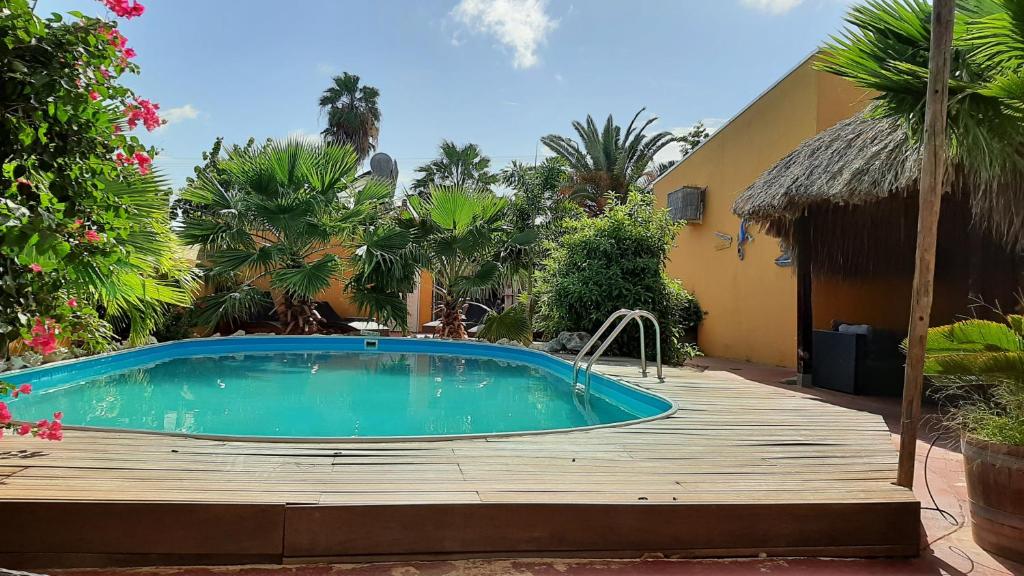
pixel 293 212
pixel 460 234
pixel 608 161
pixel 460 166
pixel 353 115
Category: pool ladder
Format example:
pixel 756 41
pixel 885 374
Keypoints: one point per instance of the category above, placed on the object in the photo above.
pixel 626 316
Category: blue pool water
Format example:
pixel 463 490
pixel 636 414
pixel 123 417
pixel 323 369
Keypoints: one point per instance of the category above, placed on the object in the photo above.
pixel 326 387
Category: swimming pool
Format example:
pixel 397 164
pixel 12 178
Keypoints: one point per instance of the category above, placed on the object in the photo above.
pixel 327 388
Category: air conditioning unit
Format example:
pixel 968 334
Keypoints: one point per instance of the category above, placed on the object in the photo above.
pixel 686 204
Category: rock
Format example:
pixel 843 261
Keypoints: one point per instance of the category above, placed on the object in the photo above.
pixel 553 346
pixel 574 341
pixel 239 333
pixel 538 346
pixel 152 340
pixel 516 343
pixel 503 341
pixel 17 363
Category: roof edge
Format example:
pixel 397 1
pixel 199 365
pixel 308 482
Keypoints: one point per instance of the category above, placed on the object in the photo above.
pixel 725 125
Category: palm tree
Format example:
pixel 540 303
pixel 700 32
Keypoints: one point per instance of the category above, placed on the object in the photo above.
pixel 293 212
pixel 536 208
pixel 460 166
pixel 981 363
pixel 609 161
pixel 353 116
pixel 886 50
pixel 460 234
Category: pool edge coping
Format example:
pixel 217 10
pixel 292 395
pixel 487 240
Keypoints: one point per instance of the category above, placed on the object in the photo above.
pixel 672 409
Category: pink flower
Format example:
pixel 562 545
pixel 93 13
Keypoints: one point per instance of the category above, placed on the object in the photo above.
pixel 72 303
pixel 91 236
pixel 128 53
pixel 43 341
pixel 94 95
pixel 24 389
pixel 58 416
pixel 105 73
pixel 35 268
pixel 117 128
pixel 24 429
pixel 143 160
pixel 145 111
pixel 125 8
pixel 5 413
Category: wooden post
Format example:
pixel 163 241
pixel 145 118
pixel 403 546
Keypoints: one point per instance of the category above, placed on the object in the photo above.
pixel 804 303
pixel 932 181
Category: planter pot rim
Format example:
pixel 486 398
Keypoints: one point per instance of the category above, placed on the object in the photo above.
pixel 977 443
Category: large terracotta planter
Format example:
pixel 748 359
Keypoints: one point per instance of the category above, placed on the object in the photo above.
pixel 995 487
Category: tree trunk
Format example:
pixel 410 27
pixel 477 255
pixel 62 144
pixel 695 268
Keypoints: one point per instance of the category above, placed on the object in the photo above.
pixel 932 182
pixel 298 316
pixel 451 321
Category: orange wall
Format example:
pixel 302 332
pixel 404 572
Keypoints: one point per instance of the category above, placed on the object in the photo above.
pixel 750 304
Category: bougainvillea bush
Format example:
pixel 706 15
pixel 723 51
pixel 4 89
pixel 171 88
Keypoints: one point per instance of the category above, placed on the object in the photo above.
pixel 86 243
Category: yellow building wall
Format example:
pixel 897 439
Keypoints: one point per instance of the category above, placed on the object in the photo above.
pixel 750 304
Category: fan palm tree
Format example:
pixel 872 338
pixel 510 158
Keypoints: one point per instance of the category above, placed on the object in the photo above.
pixel 293 211
pixel 353 115
pixel 608 161
pixel 886 50
pixel 460 234
pixel 461 166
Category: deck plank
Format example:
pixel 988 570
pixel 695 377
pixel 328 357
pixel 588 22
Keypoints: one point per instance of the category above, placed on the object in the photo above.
pixel 732 442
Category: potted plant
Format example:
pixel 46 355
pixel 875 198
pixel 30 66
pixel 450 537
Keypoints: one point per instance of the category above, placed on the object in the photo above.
pixel 978 365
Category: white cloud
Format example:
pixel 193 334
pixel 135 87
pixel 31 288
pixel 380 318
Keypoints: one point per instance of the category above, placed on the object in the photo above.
pixel 772 6
pixel 671 152
pixel 179 114
pixel 522 25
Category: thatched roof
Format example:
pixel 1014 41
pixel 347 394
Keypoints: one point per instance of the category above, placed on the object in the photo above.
pixel 859 162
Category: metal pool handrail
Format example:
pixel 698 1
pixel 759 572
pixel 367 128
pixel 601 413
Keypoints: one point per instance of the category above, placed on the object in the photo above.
pixel 635 314
pixel 593 339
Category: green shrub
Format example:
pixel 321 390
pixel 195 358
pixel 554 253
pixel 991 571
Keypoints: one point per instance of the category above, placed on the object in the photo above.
pixel 617 260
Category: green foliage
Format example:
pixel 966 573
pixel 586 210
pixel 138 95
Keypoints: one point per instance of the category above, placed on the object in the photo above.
pixel 616 261
pixel 295 215
pixel 510 324
pixel 353 115
pixel 59 180
pixel 979 365
pixel 456 166
pixel 608 162
pixel 460 235
pixel 886 49
pixel 695 137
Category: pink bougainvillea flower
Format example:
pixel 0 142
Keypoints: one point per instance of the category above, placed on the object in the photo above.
pixel 94 95
pixel 72 303
pixel 91 236
pixel 24 429
pixel 43 341
pixel 143 160
pixel 128 53
pixel 145 111
pixel 125 8
pixel 117 128
pixel 58 415
pixel 5 414
pixel 24 389
pixel 105 73
pixel 35 268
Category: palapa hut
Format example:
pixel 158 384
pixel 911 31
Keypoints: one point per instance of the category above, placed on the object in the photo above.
pixel 846 201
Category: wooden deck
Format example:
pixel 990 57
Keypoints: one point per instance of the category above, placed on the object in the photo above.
pixel 741 468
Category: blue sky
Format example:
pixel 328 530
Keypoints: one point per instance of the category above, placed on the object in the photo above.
pixel 500 73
